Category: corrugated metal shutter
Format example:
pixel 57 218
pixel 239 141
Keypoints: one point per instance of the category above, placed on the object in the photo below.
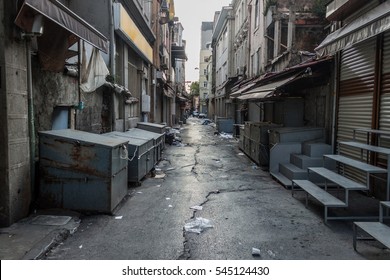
pixel 357 78
pixel 384 116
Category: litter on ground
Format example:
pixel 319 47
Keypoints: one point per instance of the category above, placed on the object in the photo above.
pixel 198 225
pixel 255 252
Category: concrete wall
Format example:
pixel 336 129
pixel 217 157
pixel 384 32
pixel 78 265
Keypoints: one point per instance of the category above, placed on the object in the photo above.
pixel 206 34
pixel 15 187
pixel 96 116
pixel 256 39
pixel 51 90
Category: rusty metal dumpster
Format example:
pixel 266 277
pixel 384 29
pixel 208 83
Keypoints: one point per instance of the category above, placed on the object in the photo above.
pixel 81 171
pixel 159 140
pixel 140 155
pixel 152 127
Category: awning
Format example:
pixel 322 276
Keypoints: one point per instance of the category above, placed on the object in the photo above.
pixel 241 90
pixel 181 98
pixel 178 52
pixel 168 91
pixel 62 16
pixel 368 25
pixel 265 91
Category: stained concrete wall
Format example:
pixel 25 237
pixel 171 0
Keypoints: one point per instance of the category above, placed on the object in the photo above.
pixel 15 187
pixel 96 117
pixel 51 90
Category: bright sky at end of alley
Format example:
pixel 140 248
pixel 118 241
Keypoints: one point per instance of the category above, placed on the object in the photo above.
pixel 191 13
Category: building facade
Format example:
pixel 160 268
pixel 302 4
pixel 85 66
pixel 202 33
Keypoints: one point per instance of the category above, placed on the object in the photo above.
pixel 359 40
pixel 179 56
pixel 92 66
pixel 222 44
pixel 204 62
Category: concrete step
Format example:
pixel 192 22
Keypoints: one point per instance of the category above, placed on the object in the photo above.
pixel 281 179
pixel 316 149
pixel 304 161
pixel 292 171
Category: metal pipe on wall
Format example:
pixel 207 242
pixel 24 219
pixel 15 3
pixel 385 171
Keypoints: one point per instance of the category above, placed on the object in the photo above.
pixel 112 58
pixel 31 125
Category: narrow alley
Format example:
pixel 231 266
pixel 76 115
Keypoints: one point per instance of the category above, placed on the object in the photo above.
pixel 244 206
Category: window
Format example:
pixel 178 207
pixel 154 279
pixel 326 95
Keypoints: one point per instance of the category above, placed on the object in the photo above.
pixel 205 72
pixel 257 14
pixel 242 13
pixel 253 64
pixel 205 84
pixel 225 39
pixel 258 61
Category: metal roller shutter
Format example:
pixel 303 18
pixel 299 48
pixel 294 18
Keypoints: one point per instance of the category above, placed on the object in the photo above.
pixel 384 116
pixel 357 78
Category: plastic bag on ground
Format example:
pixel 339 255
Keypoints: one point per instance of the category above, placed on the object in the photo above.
pixel 198 225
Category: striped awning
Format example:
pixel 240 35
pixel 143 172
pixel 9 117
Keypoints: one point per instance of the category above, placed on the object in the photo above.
pixel 366 26
pixel 62 16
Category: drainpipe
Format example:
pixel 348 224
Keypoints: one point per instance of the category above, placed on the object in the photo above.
pixel 31 125
pixel 249 38
pixel 112 57
pixel 336 71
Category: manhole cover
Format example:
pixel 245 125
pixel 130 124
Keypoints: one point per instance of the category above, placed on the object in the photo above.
pixel 49 220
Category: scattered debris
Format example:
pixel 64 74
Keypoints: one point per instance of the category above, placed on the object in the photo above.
pixel 159 176
pixel 196 207
pixel 226 135
pixel 170 168
pixel 206 122
pixel 172 137
pixel 271 254
pixel 255 252
pixel 198 225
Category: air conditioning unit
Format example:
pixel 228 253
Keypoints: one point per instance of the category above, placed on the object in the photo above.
pixel 165 62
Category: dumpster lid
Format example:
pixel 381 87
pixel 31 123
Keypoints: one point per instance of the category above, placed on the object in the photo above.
pixel 83 136
pixel 137 132
pixel 127 137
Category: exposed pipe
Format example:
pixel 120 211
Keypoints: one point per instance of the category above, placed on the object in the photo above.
pixel 112 58
pixel 248 50
pixel 31 124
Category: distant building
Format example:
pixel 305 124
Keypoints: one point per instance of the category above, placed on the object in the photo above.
pixel 204 63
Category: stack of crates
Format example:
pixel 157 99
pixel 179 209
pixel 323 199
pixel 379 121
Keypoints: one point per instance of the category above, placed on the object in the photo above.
pixel 255 141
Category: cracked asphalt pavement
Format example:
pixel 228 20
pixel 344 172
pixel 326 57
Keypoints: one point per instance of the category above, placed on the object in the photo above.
pixel 246 207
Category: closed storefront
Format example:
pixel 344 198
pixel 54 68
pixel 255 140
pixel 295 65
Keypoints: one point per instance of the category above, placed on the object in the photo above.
pixel 384 116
